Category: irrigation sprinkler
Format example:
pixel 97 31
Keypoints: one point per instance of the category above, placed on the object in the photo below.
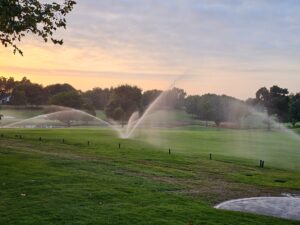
pixel 119 145
pixel 88 143
pixel 63 140
pixel 261 163
pixel 169 151
pixel 210 156
pixel 40 138
pixel 2 135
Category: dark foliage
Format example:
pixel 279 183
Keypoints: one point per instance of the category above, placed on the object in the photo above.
pixel 123 101
pixel 20 17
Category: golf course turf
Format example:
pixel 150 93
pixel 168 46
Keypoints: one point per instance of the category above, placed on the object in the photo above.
pixel 81 176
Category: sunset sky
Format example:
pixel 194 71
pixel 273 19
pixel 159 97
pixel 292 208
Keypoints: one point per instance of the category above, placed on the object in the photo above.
pixel 228 47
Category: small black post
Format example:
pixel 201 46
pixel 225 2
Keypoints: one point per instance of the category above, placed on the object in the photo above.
pixel 119 145
pixel 260 163
pixel 20 136
pixel 210 156
pixel 63 140
pixel 169 151
pixel 2 135
pixel 88 143
pixel 40 139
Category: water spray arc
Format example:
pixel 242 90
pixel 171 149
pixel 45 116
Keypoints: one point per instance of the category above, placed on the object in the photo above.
pixel 69 114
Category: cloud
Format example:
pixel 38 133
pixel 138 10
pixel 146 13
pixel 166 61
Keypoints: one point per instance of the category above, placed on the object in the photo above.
pixel 247 38
pixel 173 31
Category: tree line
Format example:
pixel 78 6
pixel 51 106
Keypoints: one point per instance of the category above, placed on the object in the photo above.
pixel 275 101
pixel 120 102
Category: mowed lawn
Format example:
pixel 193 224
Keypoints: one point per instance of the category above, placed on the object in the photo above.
pixel 280 149
pixel 81 176
pixel 20 114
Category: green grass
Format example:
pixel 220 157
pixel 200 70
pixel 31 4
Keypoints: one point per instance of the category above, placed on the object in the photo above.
pixel 297 130
pixel 279 149
pixel 51 182
pixel 21 113
pixel 13 114
pixel 100 114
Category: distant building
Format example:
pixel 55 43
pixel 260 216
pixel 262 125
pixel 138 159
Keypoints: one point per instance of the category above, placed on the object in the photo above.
pixel 5 99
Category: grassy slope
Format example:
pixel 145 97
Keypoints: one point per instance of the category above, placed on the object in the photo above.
pixel 72 183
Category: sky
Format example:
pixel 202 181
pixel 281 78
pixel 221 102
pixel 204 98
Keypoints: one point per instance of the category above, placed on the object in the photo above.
pixel 231 47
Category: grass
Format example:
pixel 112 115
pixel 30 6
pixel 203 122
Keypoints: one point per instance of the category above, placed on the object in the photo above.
pixel 100 114
pixel 279 149
pixel 71 182
pixel 297 130
pixel 20 114
pixel 13 114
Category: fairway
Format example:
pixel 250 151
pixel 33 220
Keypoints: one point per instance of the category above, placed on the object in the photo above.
pixel 149 112
pixel 279 149
pixel 81 176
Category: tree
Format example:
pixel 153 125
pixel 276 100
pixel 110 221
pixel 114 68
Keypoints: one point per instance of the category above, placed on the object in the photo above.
pixel 211 107
pixel 54 89
pixel 18 97
pixel 124 100
pixel 88 107
pixel 69 99
pixel 177 97
pixel 279 102
pixel 275 101
pixel 191 104
pixel 35 94
pixel 149 96
pixel 294 109
pixel 6 85
pixel 216 107
pixel 28 93
pixel 205 108
pixel 200 106
pixel 263 95
pixel 98 97
pixel 20 17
